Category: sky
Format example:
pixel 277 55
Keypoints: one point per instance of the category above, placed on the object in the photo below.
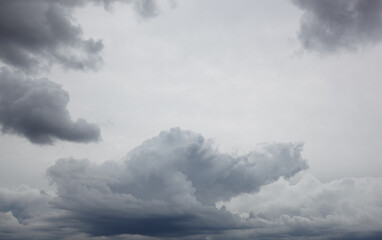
pixel 190 119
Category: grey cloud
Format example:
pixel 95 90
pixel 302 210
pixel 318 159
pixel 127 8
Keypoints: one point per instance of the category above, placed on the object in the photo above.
pixel 166 187
pixel 36 109
pixel 158 192
pixel 145 8
pixel 36 34
pixel 23 203
pixel 21 214
pixel 349 208
pixel 333 25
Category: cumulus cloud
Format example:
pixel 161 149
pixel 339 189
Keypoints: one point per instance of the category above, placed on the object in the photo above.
pixel 36 34
pixel 179 186
pixel 332 25
pixel 349 208
pixel 36 109
pixel 168 186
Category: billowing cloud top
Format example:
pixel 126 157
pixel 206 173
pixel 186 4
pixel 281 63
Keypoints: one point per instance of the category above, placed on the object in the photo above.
pixel 329 26
pixel 36 109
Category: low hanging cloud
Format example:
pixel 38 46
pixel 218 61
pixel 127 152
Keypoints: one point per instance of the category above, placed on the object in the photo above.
pixel 37 34
pixel 165 188
pixel 168 186
pixel 36 109
pixel 329 26
pixel 348 208
pixel 24 203
pixel 179 186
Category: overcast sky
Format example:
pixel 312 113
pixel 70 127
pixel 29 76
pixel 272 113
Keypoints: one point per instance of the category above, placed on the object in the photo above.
pixel 213 119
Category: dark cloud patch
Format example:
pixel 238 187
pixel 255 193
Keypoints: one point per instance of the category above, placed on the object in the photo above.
pixel 333 25
pixel 36 34
pixel 167 187
pixel 36 109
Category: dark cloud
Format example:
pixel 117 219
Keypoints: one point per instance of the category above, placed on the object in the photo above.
pixel 166 187
pixel 36 109
pixel 33 36
pixel 332 25
pixel 36 34
pixel 159 191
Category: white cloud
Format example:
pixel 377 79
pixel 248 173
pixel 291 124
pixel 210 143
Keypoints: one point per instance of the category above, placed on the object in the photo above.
pixel 314 209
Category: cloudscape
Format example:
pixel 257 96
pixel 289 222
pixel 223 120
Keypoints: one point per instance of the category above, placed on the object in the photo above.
pixel 214 120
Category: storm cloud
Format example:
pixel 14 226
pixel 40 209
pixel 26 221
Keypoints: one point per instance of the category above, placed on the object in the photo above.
pixel 168 186
pixel 36 34
pixel 330 26
pixel 178 185
pixel 159 190
pixel 36 109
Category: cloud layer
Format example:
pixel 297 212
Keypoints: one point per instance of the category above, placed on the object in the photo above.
pixel 349 208
pixel 166 187
pixel 177 185
pixel 36 109
pixel 329 26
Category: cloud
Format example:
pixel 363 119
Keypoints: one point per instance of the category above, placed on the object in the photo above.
pixel 166 187
pixel 179 186
pixel 23 203
pixel 145 8
pixel 329 26
pixel 36 34
pixel 349 208
pixel 20 213
pixel 36 109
